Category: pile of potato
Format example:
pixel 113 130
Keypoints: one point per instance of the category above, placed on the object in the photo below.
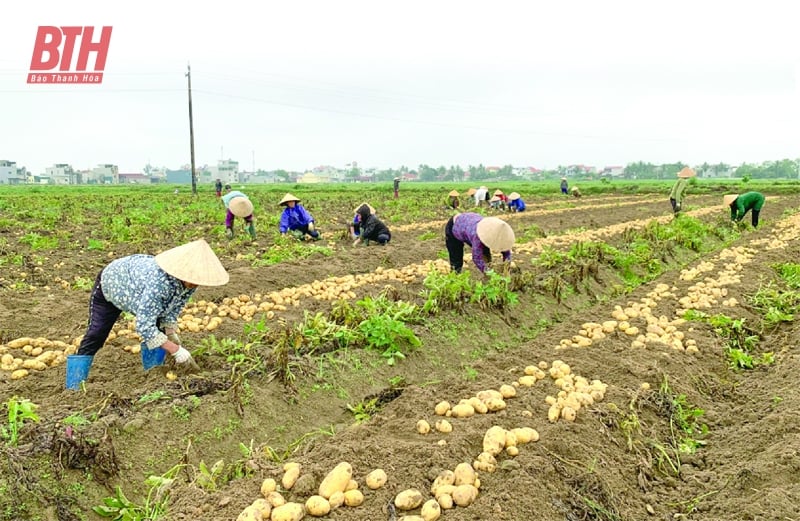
pixel 336 489
pixel 25 354
pixel 575 392
pixel 484 402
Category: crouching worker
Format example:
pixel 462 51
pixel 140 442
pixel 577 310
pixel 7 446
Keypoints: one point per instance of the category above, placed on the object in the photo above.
pixel 238 205
pixel 372 228
pixel 515 202
pixel 575 192
pixel 296 219
pixel 155 290
pixel 482 234
pixel 741 204
pixel 355 226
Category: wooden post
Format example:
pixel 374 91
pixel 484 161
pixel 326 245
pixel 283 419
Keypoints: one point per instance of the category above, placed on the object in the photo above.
pixel 191 129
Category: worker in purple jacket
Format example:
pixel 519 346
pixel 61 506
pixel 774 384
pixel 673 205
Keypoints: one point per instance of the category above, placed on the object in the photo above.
pixel 482 234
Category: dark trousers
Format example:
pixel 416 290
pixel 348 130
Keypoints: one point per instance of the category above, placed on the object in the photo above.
pixel 383 238
pixel 754 219
pixel 305 230
pixel 675 206
pixel 102 316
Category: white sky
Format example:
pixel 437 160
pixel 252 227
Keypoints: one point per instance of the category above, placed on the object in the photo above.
pixel 296 84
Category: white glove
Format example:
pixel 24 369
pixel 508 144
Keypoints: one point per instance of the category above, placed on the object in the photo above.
pixel 311 226
pixel 182 355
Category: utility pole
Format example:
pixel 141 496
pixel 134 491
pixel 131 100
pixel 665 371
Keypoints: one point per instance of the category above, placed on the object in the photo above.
pixel 191 129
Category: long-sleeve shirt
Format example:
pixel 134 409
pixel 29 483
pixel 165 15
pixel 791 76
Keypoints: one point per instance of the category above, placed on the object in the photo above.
pixel 226 199
pixel 294 218
pixel 745 202
pixel 465 229
pixel 517 204
pixel 480 195
pixel 137 284
pixel 372 227
pixel 678 189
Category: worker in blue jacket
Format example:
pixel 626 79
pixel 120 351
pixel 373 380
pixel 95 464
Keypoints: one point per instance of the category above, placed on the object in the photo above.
pixel 296 220
pixel 515 202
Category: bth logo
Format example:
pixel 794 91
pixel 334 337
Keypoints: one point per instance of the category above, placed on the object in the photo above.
pixel 54 50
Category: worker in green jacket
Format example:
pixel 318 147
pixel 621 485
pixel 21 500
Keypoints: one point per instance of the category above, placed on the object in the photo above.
pixel 679 189
pixel 746 202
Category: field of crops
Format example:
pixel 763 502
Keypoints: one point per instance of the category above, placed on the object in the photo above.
pixel 628 366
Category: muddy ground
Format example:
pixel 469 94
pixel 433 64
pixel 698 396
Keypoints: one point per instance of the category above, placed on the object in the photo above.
pixel 746 468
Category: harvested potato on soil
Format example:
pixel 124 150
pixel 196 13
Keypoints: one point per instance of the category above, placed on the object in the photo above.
pixel 423 427
pixel 317 506
pixel 431 510
pixel 408 499
pixel 376 479
pixel 288 512
pixel 336 480
pixel 353 498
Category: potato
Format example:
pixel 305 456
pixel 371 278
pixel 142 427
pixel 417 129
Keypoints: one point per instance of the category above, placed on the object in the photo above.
pixel 267 486
pixel 489 394
pixel 464 495
pixel 336 480
pixel 442 408
pixel 527 380
pixel 508 391
pixel 511 439
pixel 445 477
pixel 19 342
pixel 478 405
pixel 250 513
pixel 495 404
pixel 464 474
pixel 445 501
pixel 351 485
pixel 444 426
pixel 463 410
pixel 336 500
pixel 263 506
pixel 412 518
pixel 19 373
pixel 442 490
pixel 276 499
pixel 494 441
pixel 290 477
pixel 512 451
pixel 376 479
pixel 423 427
pixel 353 498
pixel 568 413
pixel 431 510
pixel 317 506
pixel 288 512
pixel 408 499
pixel 525 435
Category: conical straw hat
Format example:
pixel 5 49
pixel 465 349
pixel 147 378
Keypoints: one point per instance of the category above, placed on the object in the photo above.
pixel 494 199
pixel 496 234
pixel 728 199
pixel 241 206
pixel 195 263
pixel 498 192
pixel 471 192
pixel 453 193
pixel 686 172
pixel 288 197
pixel 513 196
pixel 371 209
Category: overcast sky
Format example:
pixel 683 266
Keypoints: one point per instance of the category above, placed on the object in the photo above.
pixel 298 84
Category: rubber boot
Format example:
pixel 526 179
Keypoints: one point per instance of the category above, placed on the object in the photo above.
pixel 152 357
pixel 251 229
pixel 77 370
pixel 229 233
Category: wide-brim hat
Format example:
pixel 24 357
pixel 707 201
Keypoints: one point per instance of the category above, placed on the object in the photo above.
pixel 498 192
pixel 194 262
pixel 496 234
pixel 513 196
pixel 396 178
pixel 494 199
pixel 240 206
pixel 371 209
pixel 288 197
pixel 686 173
pixel 453 193
pixel 727 200
pixel 471 192
pixel 563 178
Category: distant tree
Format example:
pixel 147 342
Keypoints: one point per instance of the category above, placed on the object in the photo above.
pixel 426 173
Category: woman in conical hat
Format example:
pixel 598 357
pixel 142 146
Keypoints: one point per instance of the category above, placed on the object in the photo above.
pixel 452 200
pixel 296 219
pixel 741 204
pixel 515 202
pixel 155 289
pixel 677 194
pixel 482 234
pixel 238 205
